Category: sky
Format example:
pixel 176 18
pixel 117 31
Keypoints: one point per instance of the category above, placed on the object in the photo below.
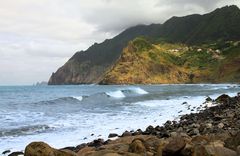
pixel 39 36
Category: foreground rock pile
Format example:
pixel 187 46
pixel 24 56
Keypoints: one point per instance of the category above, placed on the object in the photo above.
pixel 212 132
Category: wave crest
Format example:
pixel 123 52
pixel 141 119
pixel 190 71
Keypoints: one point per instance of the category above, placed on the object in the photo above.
pixel 138 90
pixel 116 94
pixel 25 130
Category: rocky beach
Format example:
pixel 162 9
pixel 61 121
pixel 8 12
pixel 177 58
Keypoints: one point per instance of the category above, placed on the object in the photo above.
pixel 214 131
pixel 120 78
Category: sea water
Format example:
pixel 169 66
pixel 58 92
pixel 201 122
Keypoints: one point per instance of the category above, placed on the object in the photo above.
pixel 70 115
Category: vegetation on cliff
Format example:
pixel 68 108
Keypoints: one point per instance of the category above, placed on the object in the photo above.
pixel 219 26
pixel 146 63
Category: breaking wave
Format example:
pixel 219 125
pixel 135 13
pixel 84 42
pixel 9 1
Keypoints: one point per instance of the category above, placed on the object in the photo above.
pixel 116 94
pixel 25 130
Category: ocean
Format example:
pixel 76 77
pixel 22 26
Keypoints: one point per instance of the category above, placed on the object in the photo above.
pixel 70 115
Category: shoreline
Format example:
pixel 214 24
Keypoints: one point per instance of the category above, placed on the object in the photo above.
pixel 216 125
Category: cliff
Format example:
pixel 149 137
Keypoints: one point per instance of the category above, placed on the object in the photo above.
pixel 145 63
pixel 99 61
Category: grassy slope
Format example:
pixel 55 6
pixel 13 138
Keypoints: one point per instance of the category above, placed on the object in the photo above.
pixel 144 62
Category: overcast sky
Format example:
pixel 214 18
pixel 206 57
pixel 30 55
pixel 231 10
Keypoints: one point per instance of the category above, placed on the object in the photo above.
pixel 39 36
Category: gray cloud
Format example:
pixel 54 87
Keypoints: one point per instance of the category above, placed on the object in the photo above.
pixel 37 37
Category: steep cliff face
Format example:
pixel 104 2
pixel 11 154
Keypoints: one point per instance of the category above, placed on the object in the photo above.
pixel 142 63
pixel 89 66
pixel 145 63
pixel 74 72
pixel 92 65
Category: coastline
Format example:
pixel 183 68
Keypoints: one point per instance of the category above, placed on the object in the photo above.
pixel 212 130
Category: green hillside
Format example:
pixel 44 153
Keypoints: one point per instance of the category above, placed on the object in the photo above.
pixel 193 31
pixel 146 63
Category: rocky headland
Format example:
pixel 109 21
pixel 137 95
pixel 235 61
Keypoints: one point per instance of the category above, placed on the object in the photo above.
pixel 214 131
pixel 202 49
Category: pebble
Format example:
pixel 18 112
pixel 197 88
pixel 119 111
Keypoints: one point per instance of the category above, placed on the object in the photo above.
pixel 220 125
pixel 209 125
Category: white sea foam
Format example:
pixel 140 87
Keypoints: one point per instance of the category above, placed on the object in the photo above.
pixel 80 98
pixel 231 94
pixel 172 109
pixel 116 94
pixel 150 103
pixel 74 128
pixel 139 90
pixel 210 104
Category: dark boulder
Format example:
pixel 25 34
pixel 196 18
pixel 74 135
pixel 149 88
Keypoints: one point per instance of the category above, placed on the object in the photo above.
pixel 223 99
pixel 96 143
pixel 112 135
pixel 208 99
pixel 5 152
pixel 16 154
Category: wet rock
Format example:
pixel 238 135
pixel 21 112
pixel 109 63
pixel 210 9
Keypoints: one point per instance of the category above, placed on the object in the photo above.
pixel 16 154
pixel 96 143
pixel 132 131
pixel 180 111
pixel 223 99
pixel 69 148
pixel 174 146
pixel 138 132
pixel 107 141
pixel 208 99
pixel 137 146
pixel 126 133
pixel 184 103
pixel 112 135
pixel 5 152
pixel 81 146
pixel 174 122
pixel 150 129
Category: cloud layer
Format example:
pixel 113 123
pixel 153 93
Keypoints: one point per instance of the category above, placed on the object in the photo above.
pixel 37 37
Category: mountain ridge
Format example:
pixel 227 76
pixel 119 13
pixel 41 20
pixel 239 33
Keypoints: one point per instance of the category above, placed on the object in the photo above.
pixel 90 66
